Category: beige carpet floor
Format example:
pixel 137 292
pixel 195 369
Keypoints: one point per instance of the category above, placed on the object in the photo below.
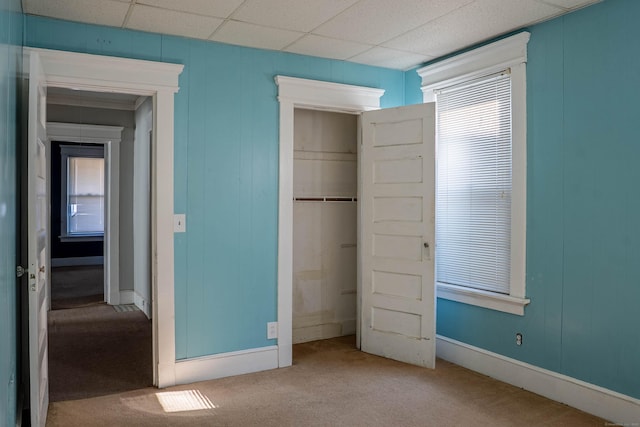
pixel 330 384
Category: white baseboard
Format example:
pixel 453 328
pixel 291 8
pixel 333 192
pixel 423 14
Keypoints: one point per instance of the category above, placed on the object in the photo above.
pixel 126 297
pixel 596 400
pixel 142 304
pixel 74 261
pixel 226 364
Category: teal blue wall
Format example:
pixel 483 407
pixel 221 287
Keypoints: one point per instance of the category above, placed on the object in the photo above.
pixel 10 66
pixel 583 205
pixel 226 170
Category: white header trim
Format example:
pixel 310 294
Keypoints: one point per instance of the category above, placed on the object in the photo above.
pixel 326 95
pixel 107 73
pixel 491 58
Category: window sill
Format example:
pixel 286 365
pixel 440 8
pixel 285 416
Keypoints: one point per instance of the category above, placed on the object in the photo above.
pixel 486 299
pixel 83 238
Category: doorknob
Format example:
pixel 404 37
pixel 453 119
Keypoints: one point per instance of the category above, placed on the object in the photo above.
pixel 426 245
pixel 42 269
pixel 20 270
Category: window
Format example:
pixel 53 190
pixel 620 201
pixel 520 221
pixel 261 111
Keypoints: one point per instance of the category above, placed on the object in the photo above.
pixel 481 174
pixel 83 195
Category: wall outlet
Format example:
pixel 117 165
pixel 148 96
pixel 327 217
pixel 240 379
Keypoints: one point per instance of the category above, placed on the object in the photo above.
pixel 272 330
pixel 518 338
pixel 179 223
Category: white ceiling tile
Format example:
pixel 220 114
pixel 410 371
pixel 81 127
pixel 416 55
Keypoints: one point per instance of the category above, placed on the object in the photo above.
pixel 390 58
pixel 218 8
pixel 295 15
pixel 103 12
pixel 570 4
pixel 376 21
pixel 476 22
pixel 326 47
pixel 164 21
pixel 251 35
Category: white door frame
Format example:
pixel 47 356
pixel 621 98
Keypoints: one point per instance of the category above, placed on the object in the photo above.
pixel 110 137
pixel 96 73
pixel 314 95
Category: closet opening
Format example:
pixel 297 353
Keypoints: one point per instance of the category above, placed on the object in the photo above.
pixel 325 211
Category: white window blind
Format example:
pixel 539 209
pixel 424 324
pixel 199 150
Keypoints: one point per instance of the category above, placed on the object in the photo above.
pixel 85 195
pixel 473 195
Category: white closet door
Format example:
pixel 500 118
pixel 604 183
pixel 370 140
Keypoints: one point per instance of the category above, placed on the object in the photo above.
pixel 397 214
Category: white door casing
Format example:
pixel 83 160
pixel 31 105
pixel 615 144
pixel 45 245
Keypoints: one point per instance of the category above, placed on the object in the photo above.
pixel 160 81
pixel 38 257
pixel 397 227
pixel 316 95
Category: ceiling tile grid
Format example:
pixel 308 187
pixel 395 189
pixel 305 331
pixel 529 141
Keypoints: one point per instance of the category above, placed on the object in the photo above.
pixel 153 19
pixel 386 33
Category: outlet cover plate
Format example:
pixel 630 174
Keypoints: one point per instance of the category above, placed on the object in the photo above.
pixel 272 330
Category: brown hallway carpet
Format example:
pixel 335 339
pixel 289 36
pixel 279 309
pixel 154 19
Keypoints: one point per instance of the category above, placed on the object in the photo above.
pixel 95 351
pixel 332 384
pixel 77 286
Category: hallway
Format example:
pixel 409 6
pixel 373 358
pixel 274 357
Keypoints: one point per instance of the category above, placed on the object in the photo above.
pixel 96 350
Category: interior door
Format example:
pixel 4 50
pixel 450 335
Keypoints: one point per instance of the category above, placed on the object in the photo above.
pixel 38 212
pixel 397 218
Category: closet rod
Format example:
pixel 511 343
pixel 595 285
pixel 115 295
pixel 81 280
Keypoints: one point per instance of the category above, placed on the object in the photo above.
pixel 325 199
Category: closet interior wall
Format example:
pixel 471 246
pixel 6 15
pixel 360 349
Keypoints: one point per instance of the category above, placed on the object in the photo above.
pixel 324 225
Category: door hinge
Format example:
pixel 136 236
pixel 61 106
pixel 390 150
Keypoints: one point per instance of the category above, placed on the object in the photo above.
pixel 20 270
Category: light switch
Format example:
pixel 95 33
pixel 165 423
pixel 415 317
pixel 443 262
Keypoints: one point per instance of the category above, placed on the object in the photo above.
pixel 179 223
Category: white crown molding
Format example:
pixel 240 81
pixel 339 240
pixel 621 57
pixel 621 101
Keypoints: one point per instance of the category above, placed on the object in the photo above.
pixel 608 404
pixel 102 73
pixel 487 59
pixel 326 95
pixel 74 132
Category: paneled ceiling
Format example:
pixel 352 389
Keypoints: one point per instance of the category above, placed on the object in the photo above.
pixel 387 33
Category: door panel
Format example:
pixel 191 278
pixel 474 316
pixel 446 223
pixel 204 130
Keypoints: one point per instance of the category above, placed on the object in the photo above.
pixel 397 213
pixel 38 220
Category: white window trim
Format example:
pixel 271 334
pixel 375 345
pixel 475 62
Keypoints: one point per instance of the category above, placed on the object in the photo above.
pixel 95 151
pixel 511 53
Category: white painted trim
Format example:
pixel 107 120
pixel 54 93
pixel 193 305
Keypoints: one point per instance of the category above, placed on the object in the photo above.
pixel 310 94
pixel 486 299
pixel 596 400
pixel 226 364
pixel 511 53
pixel 81 71
pixel 129 296
pixel 77 101
pixel 74 132
pixel 110 137
pixel 126 297
pixel 318 95
pixel 109 74
pixel 73 261
pixel 488 59
pixel 142 304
